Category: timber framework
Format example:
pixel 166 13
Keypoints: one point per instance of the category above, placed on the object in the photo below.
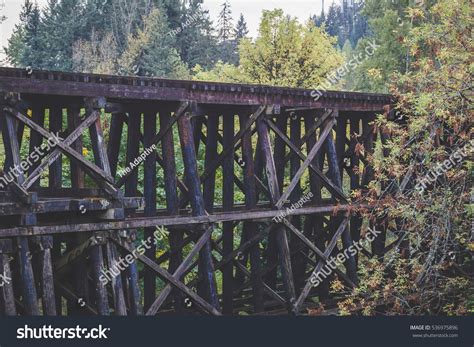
pixel 185 197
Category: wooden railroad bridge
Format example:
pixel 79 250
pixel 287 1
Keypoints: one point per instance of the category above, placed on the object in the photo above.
pixel 173 209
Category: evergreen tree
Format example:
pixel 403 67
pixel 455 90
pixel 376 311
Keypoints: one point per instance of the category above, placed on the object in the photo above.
pixel 388 26
pixel 333 20
pixel 195 37
pixel 25 45
pixel 241 30
pixel 287 53
pixel 227 44
pixel 64 22
pixel 150 52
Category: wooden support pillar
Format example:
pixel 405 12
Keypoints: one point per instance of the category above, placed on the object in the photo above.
pixel 172 202
pixel 250 229
pixel 149 190
pixel 131 187
pixel 314 225
pixel 281 237
pixel 297 260
pixel 25 268
pixel 115 139
pixel 335 175
pixel 188 148
pixel 228 203
pixel 279 159
pixel 7 298
pixel 55 126
pixel 44 245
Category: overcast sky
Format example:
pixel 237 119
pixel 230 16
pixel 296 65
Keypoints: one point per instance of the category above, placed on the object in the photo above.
pixel 251 10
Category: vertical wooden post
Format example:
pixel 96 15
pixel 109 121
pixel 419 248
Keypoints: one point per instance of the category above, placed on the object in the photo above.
pixel 80 271
pixel 250 228
pixel 55 182
pixel 131 185
pixel 115 140
pixel 55 126
pixel 150 205
pixel 197 202
pixel 25 268
pixel 316 222
pixel 279 159
pixel 228 203
pixel 335 177
pixel 172 201
pixel 6 291
pixel 281 237
pixel 297 260
pixel 96 252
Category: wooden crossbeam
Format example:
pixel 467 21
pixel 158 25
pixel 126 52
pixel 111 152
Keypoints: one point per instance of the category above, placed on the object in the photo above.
pixel 327 182
pixel 166 276
pixel 99 175
pixel 235 143
pixel 317 269
pixel 182 268
pixel 55 154
pixel 306 163
pixel 158 137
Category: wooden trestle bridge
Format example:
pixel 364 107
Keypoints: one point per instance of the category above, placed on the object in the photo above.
pixel 227 159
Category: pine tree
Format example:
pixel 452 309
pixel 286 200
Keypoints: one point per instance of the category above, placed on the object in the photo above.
pixel 227 43
pixel 150 52
pixel 287 53
pixel 241 30
pixel 196 40
pixel 25 45
pixel 63 24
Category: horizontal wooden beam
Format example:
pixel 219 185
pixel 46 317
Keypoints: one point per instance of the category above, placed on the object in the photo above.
pixel 133 223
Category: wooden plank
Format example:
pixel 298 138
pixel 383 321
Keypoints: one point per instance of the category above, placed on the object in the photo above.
pixel 149 189
pixel 36 140
pixel 56 127
pixel 228 227
pixel 198 209
pixel 115 140
pixel 130 276
pixel 266 214
pixel 6 291
pixel 45 244
pixel 249 228
pixel 172 203
pixel 281 237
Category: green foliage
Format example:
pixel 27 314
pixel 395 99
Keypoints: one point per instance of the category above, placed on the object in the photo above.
pixel 287 53
pixel 434 91
pixel 149 52
pixel 195 38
